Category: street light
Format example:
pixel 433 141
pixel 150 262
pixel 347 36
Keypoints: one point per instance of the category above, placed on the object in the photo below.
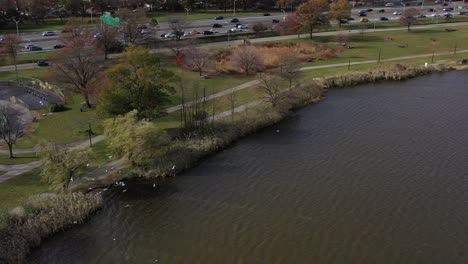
pixel 284 14
pixel 187 9
pixel 17 30
pixel 234 7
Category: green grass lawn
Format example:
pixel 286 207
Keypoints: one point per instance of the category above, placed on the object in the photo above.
pixel 19 159
pixel 63 127
pixel 17 190
pixel 38 73
pixel 101 153
pixel 2 172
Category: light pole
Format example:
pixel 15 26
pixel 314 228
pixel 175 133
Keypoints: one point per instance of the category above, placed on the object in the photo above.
pixel 234 8
pixel 284 14
pixel 17 29
pixel 187 9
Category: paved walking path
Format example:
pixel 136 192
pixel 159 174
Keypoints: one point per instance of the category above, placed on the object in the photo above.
pixel 224 43
pixel 15 170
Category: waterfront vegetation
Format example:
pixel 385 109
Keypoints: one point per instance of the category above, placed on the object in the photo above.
pixel 164 145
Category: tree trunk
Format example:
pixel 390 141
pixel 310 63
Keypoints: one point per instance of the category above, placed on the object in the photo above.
pixel 88 104
pixel 10 149
pixel 310 32
pixel 200 71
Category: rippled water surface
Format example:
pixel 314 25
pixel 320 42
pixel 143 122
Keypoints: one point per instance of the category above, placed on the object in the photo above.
pixel 374 174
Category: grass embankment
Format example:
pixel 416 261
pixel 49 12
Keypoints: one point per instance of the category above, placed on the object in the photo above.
pixel 24 227
pixel 19 159
pixel 31 57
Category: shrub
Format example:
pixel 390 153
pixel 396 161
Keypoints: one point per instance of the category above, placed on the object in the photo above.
pixel 259 27
pixel 45 214
pixel 56 107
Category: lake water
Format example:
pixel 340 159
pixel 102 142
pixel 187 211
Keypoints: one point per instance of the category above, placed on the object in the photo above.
pixel 373 174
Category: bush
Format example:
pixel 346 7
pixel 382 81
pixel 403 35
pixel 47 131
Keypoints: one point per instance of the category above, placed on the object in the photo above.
pixel 24 227
pixel 56 107
pixel 259 27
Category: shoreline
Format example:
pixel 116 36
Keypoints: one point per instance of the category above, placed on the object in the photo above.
pixel 183 154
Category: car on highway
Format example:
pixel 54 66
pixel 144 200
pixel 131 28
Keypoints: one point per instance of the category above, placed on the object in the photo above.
pixel 35 48
pixel 382 11
pixel 207 32
pixel 444 4
pixel 234 20
pixel 28 46
pixel 448 15
pixel 405 4
pixel 97 35
pixel 421 16
pixel 58 46
pixel 233 30
pixel 362 14
pixel 383 19
pixel 242 27
pixel 462 13
pixel 170 35
pixel 370 10
pixel 363 20
pixel 214 30
pixel 448 9
pixel 163 35
pixel 42 63
pixel 219 18
pixel 145 31
pixel 275 21
pixel 48 33
pixel 397 13
pixel 266 14
pixel 194 32
pixel 438 2
pixel 436 15
pixel 431 10
pixel 389 5
pixel 217 26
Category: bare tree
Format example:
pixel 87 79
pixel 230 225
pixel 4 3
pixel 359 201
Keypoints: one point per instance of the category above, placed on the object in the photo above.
pixel 270 85
pixel 78 64
pixel 132 32
pixel 13 120
pixel 178 25
pixel 408 17
pixel 248 58
pixel 288 66
pixel 232 103
pixel 107 38
pixel 198 58
pixel 73 29
pixel 11 47
pixel 176 46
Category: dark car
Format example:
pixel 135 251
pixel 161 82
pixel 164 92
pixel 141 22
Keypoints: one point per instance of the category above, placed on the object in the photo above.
pixel 234 20
pixel 370 10
pixel 35 48
pixel 219 18
pixel 343 21
pixel 163 35
pixel 58 46
pixel 463 13
pixel 266 14
pixel 448 9
pixel 382 11
pixel 42 63
pixel 350 18
pixel 444 4
pixel 418 3
pixel 362 14
pixel 383 19
pixel 421 16
pixel 431 10
pixel 406 4
pixel 217 26
pixel 275 21
pixel 207 32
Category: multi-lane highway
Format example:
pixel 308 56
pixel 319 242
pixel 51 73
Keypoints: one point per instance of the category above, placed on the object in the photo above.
pixel 48 42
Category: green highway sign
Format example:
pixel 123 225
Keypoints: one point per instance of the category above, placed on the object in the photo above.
pixel 460 7
pixel 113 21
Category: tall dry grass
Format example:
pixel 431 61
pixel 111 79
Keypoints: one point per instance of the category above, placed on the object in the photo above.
pixel 25 226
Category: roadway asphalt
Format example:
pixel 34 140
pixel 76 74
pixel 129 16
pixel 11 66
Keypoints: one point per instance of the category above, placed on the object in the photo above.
pixel 48 42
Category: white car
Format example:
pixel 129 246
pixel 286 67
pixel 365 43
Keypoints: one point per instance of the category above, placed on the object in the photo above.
pixel 436 15
pixel 145 31
pixel 242 26
pixel 97 35
pixel 389 5
pixel 188 34
pixel 48 33
pixel 170 35
pixel 397 13
pixel 214 30
pixel 28 46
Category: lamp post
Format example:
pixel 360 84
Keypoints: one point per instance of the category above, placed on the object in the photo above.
pixel 17 29
pixel 187 9
pixel 234 12
pixel 284 14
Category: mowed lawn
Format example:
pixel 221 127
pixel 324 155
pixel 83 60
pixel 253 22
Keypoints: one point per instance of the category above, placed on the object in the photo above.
pixel 63 127
pixel 391 44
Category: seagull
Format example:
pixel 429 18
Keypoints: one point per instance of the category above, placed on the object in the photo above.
pixel 173 166
pixel 154 185
pixel 124 190
pixel 127 206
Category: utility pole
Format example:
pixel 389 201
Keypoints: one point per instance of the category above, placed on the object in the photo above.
pixel 234 14
pixel 455 49
pixel 432 60
pixel 17 28
pixel 380 51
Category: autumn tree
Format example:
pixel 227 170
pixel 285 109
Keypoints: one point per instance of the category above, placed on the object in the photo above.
pixel 259 27
pixel 130 21
pixel 311 15
pixel 340 10
pixel 107 39
pixel 270 85
pixel 13 120
pixel 73 29
pixel 291 24
pixel 198 58
pixel 288 66
pixel 248 58
pixel 178 26
pixel 61 166
pixel 10 46
pixel 138 82
pixel 408 17
pixel 78 64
